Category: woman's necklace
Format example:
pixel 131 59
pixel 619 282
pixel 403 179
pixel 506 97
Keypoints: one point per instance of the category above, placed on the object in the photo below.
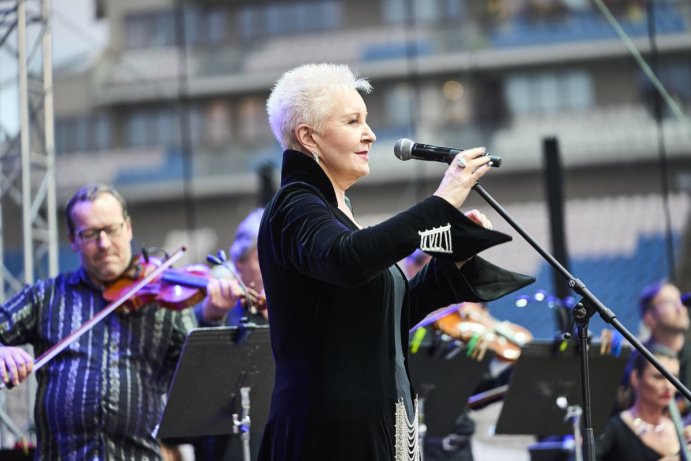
pixel 642 427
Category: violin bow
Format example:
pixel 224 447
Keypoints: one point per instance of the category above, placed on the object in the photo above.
pixel 679 430
pixel 100 315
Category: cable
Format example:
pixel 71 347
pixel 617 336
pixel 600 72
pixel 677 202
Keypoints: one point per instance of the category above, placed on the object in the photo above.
pixel 662 92
pixel 185 128
pixel 414 186
pixel 671 103
pixel 662 150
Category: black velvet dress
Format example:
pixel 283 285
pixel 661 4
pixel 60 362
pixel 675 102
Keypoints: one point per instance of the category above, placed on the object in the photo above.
pixel 330 292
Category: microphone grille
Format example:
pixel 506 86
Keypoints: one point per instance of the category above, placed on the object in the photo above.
pixel 403 149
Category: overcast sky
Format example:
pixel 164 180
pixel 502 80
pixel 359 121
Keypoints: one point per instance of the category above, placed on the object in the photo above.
pixel 76 35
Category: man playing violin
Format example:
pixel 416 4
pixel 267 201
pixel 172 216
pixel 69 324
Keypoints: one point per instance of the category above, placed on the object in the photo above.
pixel 102 396
pixel 245 259
pixel 457 444
pixel 245 262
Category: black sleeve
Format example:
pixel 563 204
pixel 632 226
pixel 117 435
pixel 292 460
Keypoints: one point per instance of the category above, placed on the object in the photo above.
pixel 441 283
pixel 308 238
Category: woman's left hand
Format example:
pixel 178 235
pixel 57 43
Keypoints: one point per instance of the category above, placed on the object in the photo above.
pixel 479 219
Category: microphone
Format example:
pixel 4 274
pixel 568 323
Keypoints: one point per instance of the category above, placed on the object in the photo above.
pixel 405 149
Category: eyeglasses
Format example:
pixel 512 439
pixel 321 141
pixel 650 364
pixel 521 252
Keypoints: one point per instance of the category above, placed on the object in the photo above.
pixel 89 235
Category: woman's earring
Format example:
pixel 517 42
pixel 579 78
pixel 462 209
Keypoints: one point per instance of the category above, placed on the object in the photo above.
pixel 316 157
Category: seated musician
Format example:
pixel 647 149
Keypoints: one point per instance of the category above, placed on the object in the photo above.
pixel 645 431
pixel 456 445
pixel 245 259
pixel 101 397
pixel 665 321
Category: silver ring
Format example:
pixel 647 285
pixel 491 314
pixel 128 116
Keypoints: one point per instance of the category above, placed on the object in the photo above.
pixel 461 162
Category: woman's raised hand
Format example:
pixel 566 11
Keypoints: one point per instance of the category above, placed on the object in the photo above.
pixel 464 172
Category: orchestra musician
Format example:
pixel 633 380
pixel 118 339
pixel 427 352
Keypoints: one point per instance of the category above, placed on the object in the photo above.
pixel 100 398
pixel 645 430
pixel 340 307
pixel 665 321
pixel 245 259
pixel 457 444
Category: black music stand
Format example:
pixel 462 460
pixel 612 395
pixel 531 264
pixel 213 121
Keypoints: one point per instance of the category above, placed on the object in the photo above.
pixel 444 377
pixel 16 454
pixel 542 375
pixel 216 367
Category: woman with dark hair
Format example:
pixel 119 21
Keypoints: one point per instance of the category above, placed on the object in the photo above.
pixel 644 431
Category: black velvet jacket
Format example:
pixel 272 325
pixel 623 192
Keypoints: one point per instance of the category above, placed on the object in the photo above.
pixel 327 286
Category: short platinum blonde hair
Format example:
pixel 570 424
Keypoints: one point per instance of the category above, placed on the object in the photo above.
pixel 305 95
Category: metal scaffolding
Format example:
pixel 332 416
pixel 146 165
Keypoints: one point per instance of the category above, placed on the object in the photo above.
pixel 27 174
pixel 27 158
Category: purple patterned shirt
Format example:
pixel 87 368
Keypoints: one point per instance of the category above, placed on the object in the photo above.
pixel 101 397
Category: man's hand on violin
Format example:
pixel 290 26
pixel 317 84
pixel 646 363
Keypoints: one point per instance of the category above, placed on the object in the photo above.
pixel 15 364
pixel 221 296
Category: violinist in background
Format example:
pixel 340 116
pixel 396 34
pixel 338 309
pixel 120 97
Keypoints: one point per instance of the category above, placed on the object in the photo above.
pixel 665 321
pixel 457 445
pixel 645 431
pixel 245 259
pixel 100 398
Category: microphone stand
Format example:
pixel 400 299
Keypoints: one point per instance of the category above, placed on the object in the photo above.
pixel 582 312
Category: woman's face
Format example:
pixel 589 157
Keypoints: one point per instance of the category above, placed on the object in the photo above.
pixel 345 141
pixel 652 387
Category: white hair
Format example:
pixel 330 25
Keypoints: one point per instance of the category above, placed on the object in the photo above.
pixel 305 95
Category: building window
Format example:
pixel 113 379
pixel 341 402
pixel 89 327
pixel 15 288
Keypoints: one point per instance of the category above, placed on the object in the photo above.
pixel 398 101
pixel 549 92
pixel 152 127
pixel 279 18
pixel 151 29
pixel 85 133
pixel 205 26
pixel 252 119
pixel 675 77
pixel 428 12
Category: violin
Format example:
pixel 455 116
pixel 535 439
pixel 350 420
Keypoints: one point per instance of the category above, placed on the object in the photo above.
pixel 471 322
pixel 103 313
pixel 174 289
pixel 152 282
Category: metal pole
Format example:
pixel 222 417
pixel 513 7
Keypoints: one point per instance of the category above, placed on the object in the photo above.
pixel 25 143
pixel 48 117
